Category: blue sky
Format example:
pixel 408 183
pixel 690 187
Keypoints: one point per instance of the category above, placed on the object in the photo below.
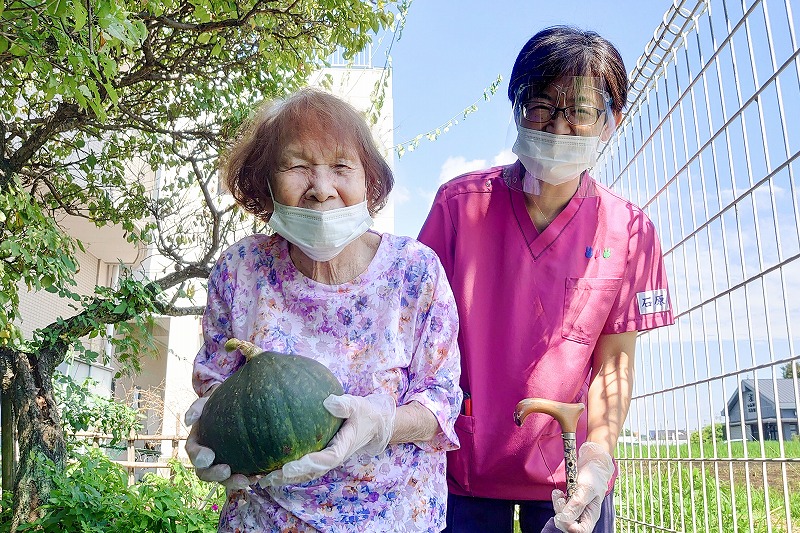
pixel 450 51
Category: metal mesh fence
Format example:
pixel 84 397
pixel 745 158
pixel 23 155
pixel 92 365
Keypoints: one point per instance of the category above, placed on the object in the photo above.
pixel 710 150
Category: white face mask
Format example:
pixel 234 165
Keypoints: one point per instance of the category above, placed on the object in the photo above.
pixel 321 235
pixel 554 159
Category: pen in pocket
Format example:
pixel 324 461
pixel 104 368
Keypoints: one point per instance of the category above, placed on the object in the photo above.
pixel 466 406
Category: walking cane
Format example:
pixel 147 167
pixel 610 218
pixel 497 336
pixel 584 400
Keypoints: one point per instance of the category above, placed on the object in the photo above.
pixel 567 415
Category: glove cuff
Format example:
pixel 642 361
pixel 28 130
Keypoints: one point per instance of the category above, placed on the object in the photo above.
pixel 384 409
pixel 195 410
pixel 591 452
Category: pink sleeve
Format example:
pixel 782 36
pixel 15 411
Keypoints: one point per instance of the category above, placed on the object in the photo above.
pixel 435 367
pixel 643 301
pixel 213 364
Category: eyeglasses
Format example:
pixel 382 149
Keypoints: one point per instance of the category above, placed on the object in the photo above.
pixel 577 115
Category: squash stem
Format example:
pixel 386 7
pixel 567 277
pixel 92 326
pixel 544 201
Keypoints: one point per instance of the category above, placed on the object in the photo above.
pixel 248 349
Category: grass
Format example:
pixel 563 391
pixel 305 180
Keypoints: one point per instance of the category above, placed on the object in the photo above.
pixel 709 490
pixel 684 488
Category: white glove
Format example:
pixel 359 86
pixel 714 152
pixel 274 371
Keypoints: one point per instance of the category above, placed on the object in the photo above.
pixel 582 511
pixel 203 457
pixel 369 425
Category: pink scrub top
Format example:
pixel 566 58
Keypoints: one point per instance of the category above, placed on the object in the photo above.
pixel 531 308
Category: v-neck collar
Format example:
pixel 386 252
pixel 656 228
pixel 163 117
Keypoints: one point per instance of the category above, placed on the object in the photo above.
pixel 539 242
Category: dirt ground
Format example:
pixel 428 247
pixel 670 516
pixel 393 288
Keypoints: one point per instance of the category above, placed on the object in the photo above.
pixel 755 477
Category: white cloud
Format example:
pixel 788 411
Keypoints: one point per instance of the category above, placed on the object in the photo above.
pixel 455 166
pixel 506 157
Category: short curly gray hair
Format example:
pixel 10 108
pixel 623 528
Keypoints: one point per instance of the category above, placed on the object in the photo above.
pixel 253 158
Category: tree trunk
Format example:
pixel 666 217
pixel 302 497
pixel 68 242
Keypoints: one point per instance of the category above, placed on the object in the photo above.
pixel 38 429
pixel 7 430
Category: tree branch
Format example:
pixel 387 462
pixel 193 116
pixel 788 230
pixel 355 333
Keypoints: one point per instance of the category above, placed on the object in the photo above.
pixel 66 117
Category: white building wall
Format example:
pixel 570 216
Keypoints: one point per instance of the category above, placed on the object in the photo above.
pixel 41 308
pixel 185 339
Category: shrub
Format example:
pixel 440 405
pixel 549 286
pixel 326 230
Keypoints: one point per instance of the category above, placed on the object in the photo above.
pixel 82 410
pixel 717 430
pixel 92 496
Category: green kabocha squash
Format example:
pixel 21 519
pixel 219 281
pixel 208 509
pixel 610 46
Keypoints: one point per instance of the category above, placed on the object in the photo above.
pixel 269 412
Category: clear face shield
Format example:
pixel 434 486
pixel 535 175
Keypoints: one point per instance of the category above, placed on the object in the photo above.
pixel 558 127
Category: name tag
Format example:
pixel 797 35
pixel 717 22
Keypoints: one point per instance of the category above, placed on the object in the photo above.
pixel 652 301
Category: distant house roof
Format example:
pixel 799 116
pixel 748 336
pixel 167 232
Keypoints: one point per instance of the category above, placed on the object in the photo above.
pixel 785 387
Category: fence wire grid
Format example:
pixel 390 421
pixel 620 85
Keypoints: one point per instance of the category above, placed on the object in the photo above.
pixel 709 149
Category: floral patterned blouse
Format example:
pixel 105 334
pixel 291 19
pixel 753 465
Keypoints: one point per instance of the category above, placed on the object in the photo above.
pixel 393 329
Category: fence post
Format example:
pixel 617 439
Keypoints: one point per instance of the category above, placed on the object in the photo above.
pixel 131 456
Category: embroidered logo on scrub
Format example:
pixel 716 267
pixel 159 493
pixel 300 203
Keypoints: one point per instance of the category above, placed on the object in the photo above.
pixel 590 251
pixel 652 301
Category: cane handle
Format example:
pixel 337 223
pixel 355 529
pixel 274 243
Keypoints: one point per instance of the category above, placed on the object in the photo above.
pixel 566 414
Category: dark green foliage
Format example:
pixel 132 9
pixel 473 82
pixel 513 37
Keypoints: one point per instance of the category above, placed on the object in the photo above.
pixel 270 412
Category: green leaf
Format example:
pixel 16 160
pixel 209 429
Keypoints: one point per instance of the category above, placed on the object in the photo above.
pixel 116 30
pixel 112 92
pixel 57 8
pixel 202 14
pixel 79 14
pixel 17 50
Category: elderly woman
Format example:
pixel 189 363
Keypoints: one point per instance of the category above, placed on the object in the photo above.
pixel 554 275
pixel 376 309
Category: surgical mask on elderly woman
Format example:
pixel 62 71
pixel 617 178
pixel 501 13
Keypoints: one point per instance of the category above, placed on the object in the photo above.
pixel 554 159
pixel 321 235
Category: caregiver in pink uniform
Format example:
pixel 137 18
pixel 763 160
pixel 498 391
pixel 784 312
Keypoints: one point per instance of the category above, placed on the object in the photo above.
pixel 553 276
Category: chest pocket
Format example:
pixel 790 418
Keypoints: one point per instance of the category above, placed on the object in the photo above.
pixel 587 302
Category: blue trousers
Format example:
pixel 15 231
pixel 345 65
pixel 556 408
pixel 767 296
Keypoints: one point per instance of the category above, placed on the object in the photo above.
pixel 484 515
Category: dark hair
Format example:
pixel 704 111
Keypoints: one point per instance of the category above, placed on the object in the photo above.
pixel 567 51
pixel 308 113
